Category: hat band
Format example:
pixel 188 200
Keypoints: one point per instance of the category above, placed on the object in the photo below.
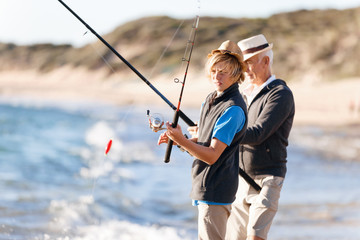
pixel 255 49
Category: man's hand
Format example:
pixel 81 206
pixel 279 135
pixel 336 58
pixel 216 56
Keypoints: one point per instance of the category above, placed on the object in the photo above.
pixel 193 131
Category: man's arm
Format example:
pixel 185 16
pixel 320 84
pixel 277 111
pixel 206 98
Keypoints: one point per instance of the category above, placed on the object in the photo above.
pixel 277 109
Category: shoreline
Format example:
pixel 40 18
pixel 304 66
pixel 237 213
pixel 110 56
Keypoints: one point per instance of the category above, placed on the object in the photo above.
pixel 322 122
pixel 323 104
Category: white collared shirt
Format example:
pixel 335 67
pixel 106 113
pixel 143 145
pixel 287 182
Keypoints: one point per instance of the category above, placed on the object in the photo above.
pixel 252 90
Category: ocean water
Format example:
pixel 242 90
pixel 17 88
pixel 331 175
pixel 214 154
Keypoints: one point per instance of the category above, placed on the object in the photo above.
pixel 56 182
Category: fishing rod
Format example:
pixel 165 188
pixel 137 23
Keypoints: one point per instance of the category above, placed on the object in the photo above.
pixel 178 112
pixel 186 119
pixel 191 41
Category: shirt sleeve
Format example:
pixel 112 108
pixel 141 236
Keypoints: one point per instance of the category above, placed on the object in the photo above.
pixel 228 124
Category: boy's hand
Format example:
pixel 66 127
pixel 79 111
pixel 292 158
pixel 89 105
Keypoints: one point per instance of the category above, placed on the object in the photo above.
pixel 171 133
pixel 174 134
pixel 163 138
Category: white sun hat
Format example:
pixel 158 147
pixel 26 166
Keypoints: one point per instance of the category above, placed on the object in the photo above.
pixel 254 45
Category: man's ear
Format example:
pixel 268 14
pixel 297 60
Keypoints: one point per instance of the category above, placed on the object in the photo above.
pixel 266 60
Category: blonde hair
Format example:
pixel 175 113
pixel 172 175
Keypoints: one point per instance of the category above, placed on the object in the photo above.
pixel 235 68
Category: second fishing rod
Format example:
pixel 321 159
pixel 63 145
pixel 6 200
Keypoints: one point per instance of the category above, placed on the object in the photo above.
pixel 187 57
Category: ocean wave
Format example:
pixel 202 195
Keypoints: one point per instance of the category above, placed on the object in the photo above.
pixel 336 143
pixel 77 220
pixel 124 230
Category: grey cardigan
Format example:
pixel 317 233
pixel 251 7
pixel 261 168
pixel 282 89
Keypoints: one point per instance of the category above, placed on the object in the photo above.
pixel 270 118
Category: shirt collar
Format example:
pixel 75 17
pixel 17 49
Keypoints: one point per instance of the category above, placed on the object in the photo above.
pixel 251 90
pixel 270 79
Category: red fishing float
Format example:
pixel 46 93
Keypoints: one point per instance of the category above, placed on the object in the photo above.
pixel 107 149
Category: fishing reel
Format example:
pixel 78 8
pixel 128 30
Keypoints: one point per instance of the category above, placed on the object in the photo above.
pixel 156 121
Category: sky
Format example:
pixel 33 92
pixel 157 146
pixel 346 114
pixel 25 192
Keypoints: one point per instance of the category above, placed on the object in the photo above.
pixel 26 22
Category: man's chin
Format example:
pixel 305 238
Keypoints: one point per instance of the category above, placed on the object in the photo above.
pixel 250 80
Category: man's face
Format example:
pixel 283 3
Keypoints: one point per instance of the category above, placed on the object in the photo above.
pixel 256 71
pixel 220 77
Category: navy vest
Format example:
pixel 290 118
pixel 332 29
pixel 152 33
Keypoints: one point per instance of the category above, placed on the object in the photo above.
pixel 218 182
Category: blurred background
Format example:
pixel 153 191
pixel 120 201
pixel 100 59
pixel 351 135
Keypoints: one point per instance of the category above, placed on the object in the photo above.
pixel 63 95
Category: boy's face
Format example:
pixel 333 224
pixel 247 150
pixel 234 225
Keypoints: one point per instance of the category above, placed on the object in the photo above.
pixel 220 77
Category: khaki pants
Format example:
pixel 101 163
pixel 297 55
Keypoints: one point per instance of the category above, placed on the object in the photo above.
pixel 253 212
pixel 212 221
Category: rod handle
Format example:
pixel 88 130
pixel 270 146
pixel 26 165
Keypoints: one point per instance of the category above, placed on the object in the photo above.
pixel 168 151
pixel 171 142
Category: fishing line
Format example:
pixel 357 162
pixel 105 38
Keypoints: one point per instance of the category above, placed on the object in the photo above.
pixel 159 58
pixel 178 111
pixel 122 119
pixel 180 69
pixel 166 48
pixel 107 63
pixel 107 149
pixel 130 109
pixel 182 115
pixel 131 106
pixel 103 58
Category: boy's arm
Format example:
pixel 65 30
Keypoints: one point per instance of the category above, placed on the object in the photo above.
pixel 228 124
pixel 208 155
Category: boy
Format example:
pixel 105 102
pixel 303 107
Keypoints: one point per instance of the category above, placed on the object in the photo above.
pixel 221 127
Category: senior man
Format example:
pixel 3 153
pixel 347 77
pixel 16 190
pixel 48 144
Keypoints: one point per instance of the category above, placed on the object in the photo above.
pixel 263 153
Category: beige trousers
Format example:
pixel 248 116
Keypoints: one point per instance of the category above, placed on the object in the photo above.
pixel 253 212
pixel 212 221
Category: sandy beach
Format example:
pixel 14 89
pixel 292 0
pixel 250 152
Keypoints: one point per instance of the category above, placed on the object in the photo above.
pixel 325 104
